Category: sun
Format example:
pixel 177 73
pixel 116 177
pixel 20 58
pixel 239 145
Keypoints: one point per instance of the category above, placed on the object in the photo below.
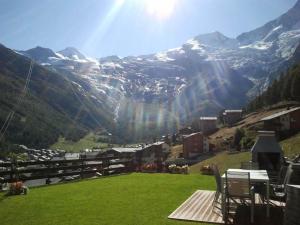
pixel 160 9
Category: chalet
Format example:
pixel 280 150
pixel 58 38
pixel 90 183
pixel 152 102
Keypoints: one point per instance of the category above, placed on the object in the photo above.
pixel 91 154
pixel 231 116
pixel 122 153
pixel 153 153
pixel 184 131
pixel 287 120
pixel 208 124
pixel 194 145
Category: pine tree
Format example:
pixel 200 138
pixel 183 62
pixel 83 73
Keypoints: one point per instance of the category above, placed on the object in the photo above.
pixel 295 84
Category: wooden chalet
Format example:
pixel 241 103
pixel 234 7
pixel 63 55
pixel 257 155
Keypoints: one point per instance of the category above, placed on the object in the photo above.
pixel 195 144
pixel 208 124
pixel 232 116
pixel 284 121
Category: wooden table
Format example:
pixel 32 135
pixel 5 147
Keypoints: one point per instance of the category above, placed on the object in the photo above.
pixel 256 176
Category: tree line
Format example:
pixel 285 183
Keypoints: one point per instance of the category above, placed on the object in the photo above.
pixel 285 88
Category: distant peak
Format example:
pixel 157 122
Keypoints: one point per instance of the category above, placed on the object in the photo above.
pixel 39 53
pixel 41 50
pixel 213 34
pixel 71 49
pixel 297 5
pixel 216 39
pixel 72 52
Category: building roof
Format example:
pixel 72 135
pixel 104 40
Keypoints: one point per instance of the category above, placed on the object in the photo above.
pixel 266 142
pixel 233 110
pixel 273 116
pixel 190 135
pixel 158 143
pixel 127 150
pixel 92 154
pixel 208 118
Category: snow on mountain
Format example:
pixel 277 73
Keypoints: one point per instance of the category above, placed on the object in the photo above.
pixel 216 40
pixel 72 53
pixel 205 74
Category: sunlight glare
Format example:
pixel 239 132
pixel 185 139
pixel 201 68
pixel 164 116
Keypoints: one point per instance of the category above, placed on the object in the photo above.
pixel 160 9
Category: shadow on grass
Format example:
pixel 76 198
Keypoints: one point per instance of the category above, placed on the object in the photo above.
pixel 80 180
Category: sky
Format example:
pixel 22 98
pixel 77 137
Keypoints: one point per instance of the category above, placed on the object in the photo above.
pixel 101 28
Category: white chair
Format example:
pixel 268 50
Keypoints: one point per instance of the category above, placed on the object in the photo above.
pixel 238 187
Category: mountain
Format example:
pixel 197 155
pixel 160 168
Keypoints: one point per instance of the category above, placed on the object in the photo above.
pixel 54 105
pixel 39 54
pixel 157 93
pixel 283 89
pixel 270 31
pixel 72 53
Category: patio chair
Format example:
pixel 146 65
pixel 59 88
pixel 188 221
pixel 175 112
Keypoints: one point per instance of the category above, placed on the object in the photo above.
pixel 282 178
pixel 278 192
pixel 238 187
pixel 218 183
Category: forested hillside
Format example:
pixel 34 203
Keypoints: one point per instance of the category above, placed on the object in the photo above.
pixel 285 88
pixel 53 106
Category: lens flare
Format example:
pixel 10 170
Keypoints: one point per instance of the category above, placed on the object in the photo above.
pixel 160 9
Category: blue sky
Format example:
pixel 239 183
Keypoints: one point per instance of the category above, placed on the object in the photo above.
pixel 126 27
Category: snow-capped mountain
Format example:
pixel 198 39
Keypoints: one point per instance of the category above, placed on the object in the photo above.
pixel 207 73
pixel 72 53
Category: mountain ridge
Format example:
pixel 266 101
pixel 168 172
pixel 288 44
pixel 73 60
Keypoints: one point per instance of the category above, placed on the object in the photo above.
pixel 152 94
pixel 51 108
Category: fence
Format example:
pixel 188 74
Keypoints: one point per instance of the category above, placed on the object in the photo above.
pixel 32 170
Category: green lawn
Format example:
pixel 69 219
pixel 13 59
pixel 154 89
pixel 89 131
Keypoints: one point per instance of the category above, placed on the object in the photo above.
pixel 291 146
pixel 224 160
pixel 89 141
pixel 135 199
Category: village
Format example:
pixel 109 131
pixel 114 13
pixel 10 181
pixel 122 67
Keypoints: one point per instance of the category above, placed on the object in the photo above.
pixel 196 141
pixel 204 140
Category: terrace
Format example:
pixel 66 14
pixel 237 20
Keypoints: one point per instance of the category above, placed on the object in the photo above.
pixel 136 198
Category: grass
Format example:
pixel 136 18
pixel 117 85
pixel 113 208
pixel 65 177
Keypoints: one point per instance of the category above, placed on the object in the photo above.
pixel 291 146
pixel 89 141
pixel 224 160
pixel 133 199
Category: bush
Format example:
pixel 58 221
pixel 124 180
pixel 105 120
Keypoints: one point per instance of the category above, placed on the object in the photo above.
pixel 238 135
pixel 247 142
pixel 17 188
pixel 207 170
pixel 178 169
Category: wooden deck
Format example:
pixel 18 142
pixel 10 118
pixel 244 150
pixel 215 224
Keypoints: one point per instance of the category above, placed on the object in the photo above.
pixel 199 207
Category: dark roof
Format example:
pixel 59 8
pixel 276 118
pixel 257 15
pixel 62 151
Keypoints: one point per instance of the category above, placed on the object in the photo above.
pixel 266 142
pixel 273 116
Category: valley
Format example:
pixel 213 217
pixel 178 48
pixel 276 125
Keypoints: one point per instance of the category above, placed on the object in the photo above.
pixel 147 96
